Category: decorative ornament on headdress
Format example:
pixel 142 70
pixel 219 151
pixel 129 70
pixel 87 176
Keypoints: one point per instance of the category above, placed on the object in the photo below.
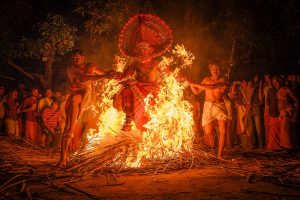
pixel 148 30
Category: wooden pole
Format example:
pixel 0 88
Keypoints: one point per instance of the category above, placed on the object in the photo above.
pixel 18 67
pixel 13 79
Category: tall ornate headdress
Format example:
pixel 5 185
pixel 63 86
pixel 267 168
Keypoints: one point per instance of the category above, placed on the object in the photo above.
pixel 145 28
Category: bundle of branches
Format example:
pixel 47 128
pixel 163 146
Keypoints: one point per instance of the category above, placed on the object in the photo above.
pixel 111 159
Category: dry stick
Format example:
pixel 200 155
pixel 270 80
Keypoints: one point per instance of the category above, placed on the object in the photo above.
pixel 23 186
pixel 55 184
pixel 58 187
pixel 42 196
pixel 18 175
pixel 4 195
pixel 84 192
pixel 90 159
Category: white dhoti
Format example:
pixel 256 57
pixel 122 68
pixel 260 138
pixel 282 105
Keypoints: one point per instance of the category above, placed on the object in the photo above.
pixel 214 111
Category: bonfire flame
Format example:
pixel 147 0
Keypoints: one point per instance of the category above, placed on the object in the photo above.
pixel 169 130
pixel 120 63
pixel 185 56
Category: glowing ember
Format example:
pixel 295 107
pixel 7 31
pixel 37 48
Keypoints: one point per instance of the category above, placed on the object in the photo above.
pixel 169 130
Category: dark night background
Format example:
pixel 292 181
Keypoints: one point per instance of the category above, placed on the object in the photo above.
pixel 267 33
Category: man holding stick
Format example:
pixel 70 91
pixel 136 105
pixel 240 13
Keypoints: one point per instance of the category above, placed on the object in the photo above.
pixel 82 77
pixel 214 106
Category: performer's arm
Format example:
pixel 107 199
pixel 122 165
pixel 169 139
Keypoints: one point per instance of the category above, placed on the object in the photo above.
pixel 195 90
pixel 222 83
pixel 98 71
pixel 202 86
pixel 100 74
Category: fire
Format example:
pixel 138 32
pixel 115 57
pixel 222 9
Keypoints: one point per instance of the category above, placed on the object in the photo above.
pixel 169 130
pixel 120 63
pixel 108 117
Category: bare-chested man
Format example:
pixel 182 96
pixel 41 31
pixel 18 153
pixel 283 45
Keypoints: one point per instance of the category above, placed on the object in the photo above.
pixel 214 106
pixel 81 76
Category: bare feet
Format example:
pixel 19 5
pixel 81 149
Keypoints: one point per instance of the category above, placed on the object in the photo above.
pixel 126 127
pixel 62 164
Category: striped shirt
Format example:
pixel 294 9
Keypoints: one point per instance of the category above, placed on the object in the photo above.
pixel 43 103
pixel 51 117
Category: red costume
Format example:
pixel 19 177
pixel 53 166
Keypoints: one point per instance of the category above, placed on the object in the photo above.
pixel 143 38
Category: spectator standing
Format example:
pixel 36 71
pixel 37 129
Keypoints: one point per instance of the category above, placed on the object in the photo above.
pixel 22 116
pixel 2 111
pixel 273 142
pixel 11 114
pixel 31 122
pixel 267 86
pixel 42 104
pixel 51 118
pixel 288 114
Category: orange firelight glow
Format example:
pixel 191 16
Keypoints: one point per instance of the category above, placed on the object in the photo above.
pixel 169 130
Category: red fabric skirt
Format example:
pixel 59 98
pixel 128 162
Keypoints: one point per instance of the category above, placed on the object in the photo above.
pixel 288 139
pixel 31 131
pixel 140 92
pixel 267 125
pixel 273 142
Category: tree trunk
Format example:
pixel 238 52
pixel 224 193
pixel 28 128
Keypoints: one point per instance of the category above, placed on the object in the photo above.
pixel 48 72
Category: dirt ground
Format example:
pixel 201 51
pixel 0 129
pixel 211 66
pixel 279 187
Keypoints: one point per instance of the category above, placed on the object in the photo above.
pixel 269 176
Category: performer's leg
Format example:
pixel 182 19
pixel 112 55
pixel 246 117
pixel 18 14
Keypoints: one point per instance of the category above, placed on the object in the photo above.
pixel 222 137
pixel 208 128
pixel 71 118
pixel 64 150
pixel 76 100
pixel 127 105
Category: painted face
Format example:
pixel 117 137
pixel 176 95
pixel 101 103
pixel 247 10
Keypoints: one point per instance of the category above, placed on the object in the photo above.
pixel 214 70
pixel 144 51
pixel 77 59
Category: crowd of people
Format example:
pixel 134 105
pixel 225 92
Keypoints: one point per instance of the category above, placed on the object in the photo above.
pixel 37 118
pixel 260 114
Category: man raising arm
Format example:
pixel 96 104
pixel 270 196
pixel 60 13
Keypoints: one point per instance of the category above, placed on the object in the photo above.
pixel 214 106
